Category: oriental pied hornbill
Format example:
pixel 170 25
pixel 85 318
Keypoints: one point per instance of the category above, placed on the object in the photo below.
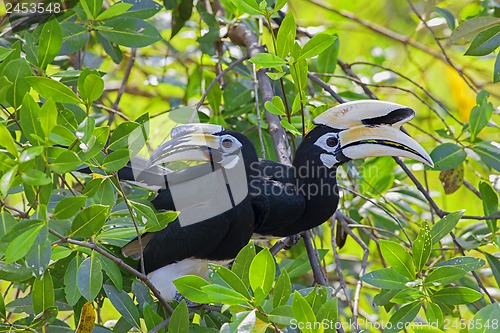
pixel 304 195
pixel 216 215
pixel 276 200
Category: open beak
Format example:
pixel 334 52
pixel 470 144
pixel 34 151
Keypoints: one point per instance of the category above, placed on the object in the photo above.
pixel 189 146
pixel 370 128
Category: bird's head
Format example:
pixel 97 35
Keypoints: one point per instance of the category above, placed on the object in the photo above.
pixel 205 142
pixel 359 129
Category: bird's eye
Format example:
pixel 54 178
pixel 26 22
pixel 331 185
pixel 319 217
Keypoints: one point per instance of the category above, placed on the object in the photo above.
pixel 332 141
pixel 227 143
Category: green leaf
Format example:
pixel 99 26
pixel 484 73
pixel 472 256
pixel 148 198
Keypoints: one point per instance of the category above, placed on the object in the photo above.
pixel 329 311
pixel 385 296
pixel 496 69
pixel 447 156
pixel 485 42
pixel 190 287
pixel 316 45
pixel 116 10
pixel 29 115
pixel 66 162
pixel 214 97
pixel 223 295
pixel 3 314
pixel 163 220
pixel 123 304
pixel 6 222
pixel 486 319
pixel 20 245
pixel 465 263
pixel 93 87
pixel 422 247
pixel 489 153
pixel 75 37
pixel 262 272
pixel 48 116
pixel 327 60
pixel 142 9
pixel 35 178
pixel 143 214
pixel 70 281
pixel 130 32
pixel 479 117
pixel 7 180
pixel 247 6
pixel 276 106
pixel 179 321
pixel 442 276
pixel 47 88
pixel 289 127
pixel 241 264
pixel 282 315
pixel 403 316
pixel 494 264
pixel 120 137
pixel 42 293
pixel 180 15
pixel 490 204
pixel 282 290
pixel 279 4
pixel 386 278
pixel 303 312
pixel 7 141
pixel 446 225
pixel 434 314
pixel 469 29
pixel 244 322
pixel 68 207
pixel 228 278
pixel 286 32
pixel 152 318
pixel 399 259
pixel 112 271
pixel 448 16
pixel 89 277
pixel 49 42
pixel 17 72
pixel 267 60
pixel 91 8
pixel 456 295
pixel 299 70
pixel 116 160
pixel 89 221
pixel 38 257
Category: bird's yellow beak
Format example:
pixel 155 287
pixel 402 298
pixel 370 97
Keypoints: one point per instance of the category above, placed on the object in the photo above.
pixel 370 128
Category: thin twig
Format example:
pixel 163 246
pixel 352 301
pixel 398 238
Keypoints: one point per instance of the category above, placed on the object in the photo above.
pixel 217 79
pixel 364 263
pixel 117 261
pixel 325 86
pixel 123 86
pixel 318 274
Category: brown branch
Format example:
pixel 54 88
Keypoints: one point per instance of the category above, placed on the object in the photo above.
pixel 325 86
pixel 123 87
pixel 119 262
pixel 318 273
pixel 218 78
pixel 240 34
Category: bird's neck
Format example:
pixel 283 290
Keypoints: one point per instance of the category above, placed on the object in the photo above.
pixel 318 184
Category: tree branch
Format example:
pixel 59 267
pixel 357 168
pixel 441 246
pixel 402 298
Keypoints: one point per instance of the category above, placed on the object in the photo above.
pixel 240 34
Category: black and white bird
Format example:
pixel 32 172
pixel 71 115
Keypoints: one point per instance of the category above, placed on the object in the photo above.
pixel 233 196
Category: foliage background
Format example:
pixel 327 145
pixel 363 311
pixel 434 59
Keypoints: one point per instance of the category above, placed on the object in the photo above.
pixel 54 251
